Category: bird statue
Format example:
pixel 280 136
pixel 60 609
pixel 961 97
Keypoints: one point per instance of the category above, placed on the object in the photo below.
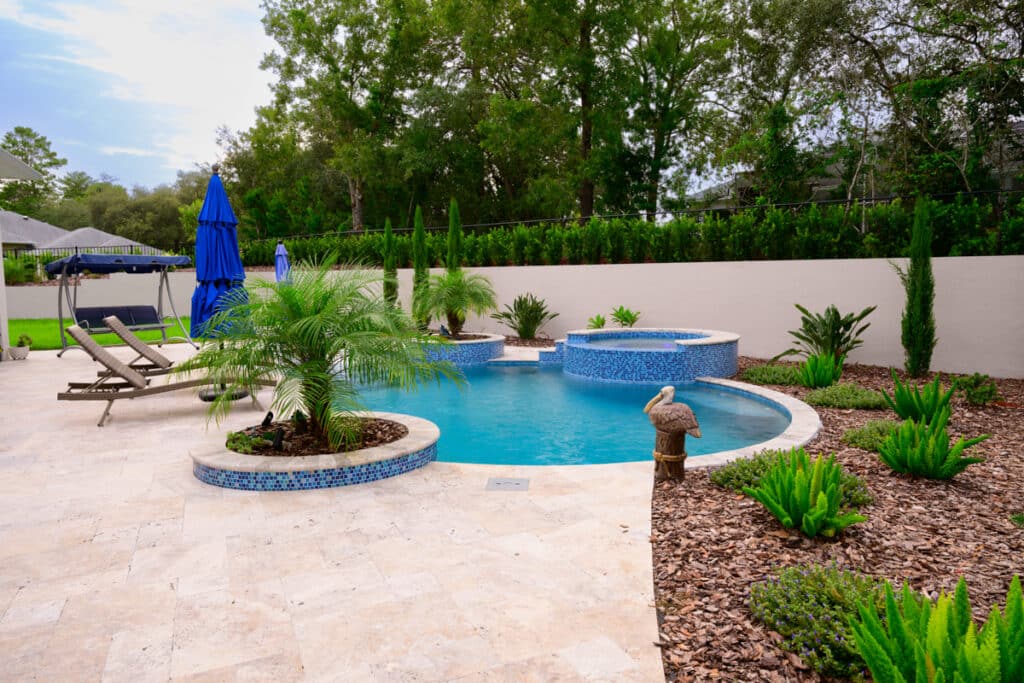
pixel 672 422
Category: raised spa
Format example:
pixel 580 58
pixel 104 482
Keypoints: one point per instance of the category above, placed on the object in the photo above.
pixel 673 355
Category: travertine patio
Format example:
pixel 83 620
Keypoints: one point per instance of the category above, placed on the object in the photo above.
pixel 116 564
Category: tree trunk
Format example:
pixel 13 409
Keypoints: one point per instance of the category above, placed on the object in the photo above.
pixel 672 446
pixel 355 193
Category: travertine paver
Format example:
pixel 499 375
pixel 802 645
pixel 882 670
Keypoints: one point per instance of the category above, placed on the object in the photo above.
pixel 116 564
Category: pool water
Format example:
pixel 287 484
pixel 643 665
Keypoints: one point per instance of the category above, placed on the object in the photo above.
pixel 539 416
pixel 636 343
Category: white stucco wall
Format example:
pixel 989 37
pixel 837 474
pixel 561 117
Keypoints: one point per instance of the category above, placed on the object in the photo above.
pixel 979 302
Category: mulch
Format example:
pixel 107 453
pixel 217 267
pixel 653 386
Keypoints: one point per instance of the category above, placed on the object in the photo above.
pixel 538 343
pixel 710 544
pixel 374 432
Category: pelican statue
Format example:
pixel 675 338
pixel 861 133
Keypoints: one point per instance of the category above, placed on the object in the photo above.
pixel 672 422
pixel 669 417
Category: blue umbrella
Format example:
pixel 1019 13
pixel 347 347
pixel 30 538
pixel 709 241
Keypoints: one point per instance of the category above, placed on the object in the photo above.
pixel 281 265
pixel 218 264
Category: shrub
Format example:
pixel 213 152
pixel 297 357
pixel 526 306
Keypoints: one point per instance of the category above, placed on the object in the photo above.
pixel 925 641
pixel 454 295
pixel 821 371
pixel 390 269
pixel 846 395
pixel 240 442
pixel 978 389
pixel 24 340
pixel 923 450
pixel 624 317
pixel 918 323
pixel 596 322
pixel 1018 519
pixel 811 607
pixel 772 374
pixel 916 403
pixel 526 315
pixel 830 333
pixel 804 495
pixel 871 435
pixel 743 472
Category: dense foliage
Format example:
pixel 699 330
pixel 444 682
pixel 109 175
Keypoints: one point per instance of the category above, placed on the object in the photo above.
pixel 923 449
pixel 920 640
pixel 804 495
pixel 811 607
pixel 772 373
pixel 871 436
pixel 742 472
pixel 918 322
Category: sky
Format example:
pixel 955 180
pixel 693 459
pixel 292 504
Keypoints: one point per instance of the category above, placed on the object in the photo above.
pixel 135 89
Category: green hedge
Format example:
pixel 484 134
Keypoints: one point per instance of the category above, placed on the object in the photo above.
pixel 961 228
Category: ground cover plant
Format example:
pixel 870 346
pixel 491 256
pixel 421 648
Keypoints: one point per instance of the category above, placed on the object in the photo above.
pixel 978 389
pixel 772 373
pixel 871 436
pixel 45 333
pixel 712 545
pixel 811 607
pixel 846 395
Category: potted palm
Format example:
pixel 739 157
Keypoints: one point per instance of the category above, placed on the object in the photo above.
pixel 321 336
pixel 24 345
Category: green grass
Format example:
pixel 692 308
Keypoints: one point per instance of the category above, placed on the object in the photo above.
pixel 871 435
pixel 772 373
pixel 846 395
pixel 1018 519
pixel 45 333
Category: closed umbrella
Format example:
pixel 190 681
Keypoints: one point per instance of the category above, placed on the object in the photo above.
pixel 218 263
pixel 281 265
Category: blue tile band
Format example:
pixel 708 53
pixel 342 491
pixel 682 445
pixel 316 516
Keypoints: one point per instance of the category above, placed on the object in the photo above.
pixel 689 354
pixel 471 352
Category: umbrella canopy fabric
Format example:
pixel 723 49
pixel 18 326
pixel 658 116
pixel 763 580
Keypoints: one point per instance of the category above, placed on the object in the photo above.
pixel 218 263
pixel 281 265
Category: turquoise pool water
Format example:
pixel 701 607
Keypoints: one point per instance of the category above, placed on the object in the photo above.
pixel 539 416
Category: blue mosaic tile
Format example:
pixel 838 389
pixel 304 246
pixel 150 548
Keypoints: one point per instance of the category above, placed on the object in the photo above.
pixel 317 479
pixel 474 353
pixel 683 364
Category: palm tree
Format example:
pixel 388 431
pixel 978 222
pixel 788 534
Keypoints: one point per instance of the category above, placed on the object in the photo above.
pixel 455 294
pixel 321 336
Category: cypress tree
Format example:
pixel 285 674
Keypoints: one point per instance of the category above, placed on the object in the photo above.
pixel 421 269
pixel 918 329
pixel 454 260
pixel 390 268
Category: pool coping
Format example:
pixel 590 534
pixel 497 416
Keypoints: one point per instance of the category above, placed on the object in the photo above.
pixel 709 336
pixel 422 435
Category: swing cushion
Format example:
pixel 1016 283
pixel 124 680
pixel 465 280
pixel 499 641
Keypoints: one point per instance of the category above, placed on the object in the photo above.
pixel 90 318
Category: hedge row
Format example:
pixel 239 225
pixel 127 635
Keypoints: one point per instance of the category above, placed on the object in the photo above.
pixel 960 228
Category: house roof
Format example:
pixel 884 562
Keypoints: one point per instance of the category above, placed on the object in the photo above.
pixel 87 238
pixel 29 233
pixel 13 168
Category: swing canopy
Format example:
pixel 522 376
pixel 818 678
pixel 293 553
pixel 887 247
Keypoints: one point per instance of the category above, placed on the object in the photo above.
pixel 115 263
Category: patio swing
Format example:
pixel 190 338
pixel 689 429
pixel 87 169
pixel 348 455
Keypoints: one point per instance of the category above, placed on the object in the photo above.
pixel 135 317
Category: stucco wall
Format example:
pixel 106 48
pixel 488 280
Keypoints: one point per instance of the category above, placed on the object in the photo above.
pixel 979 302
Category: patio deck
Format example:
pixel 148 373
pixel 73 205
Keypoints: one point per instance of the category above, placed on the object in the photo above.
pixel 117 564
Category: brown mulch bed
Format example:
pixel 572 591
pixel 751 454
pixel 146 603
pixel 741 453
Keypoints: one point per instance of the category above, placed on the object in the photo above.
pixel 375 432
pixel 710 544
pixel 538 343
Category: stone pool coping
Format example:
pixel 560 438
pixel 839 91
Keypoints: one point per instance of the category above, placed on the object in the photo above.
pixel 804 424
pixel 216 465
pixel 708 336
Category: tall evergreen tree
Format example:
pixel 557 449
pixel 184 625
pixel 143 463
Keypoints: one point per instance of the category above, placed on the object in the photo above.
pixel 454 260
pixel 390 269
pixel 918 332
pixel 421 269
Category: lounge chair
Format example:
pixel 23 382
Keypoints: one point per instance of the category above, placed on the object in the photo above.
pixel 120 380
pixel 149 362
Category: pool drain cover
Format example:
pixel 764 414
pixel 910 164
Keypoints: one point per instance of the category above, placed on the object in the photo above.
pixel 507 484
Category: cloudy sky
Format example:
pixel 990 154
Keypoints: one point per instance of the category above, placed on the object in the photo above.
pixel 132 88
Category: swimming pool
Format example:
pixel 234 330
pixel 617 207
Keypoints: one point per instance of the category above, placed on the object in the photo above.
pixel 540 416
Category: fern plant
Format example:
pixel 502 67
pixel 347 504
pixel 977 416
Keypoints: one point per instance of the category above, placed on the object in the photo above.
pixel 938 642
pixel 803 495
pixel 526 315
pixel 821 371
pixel 830 332
pixel 923 450
pixel 625 317
pixel 920 404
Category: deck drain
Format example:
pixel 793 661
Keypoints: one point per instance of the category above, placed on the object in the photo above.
pixel 507 484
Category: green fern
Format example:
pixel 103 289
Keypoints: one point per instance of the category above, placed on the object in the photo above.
pixel 923 450
pixel 803 495
pixel 925 641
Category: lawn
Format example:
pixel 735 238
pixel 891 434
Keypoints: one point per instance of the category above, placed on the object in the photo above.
pixel 45 333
